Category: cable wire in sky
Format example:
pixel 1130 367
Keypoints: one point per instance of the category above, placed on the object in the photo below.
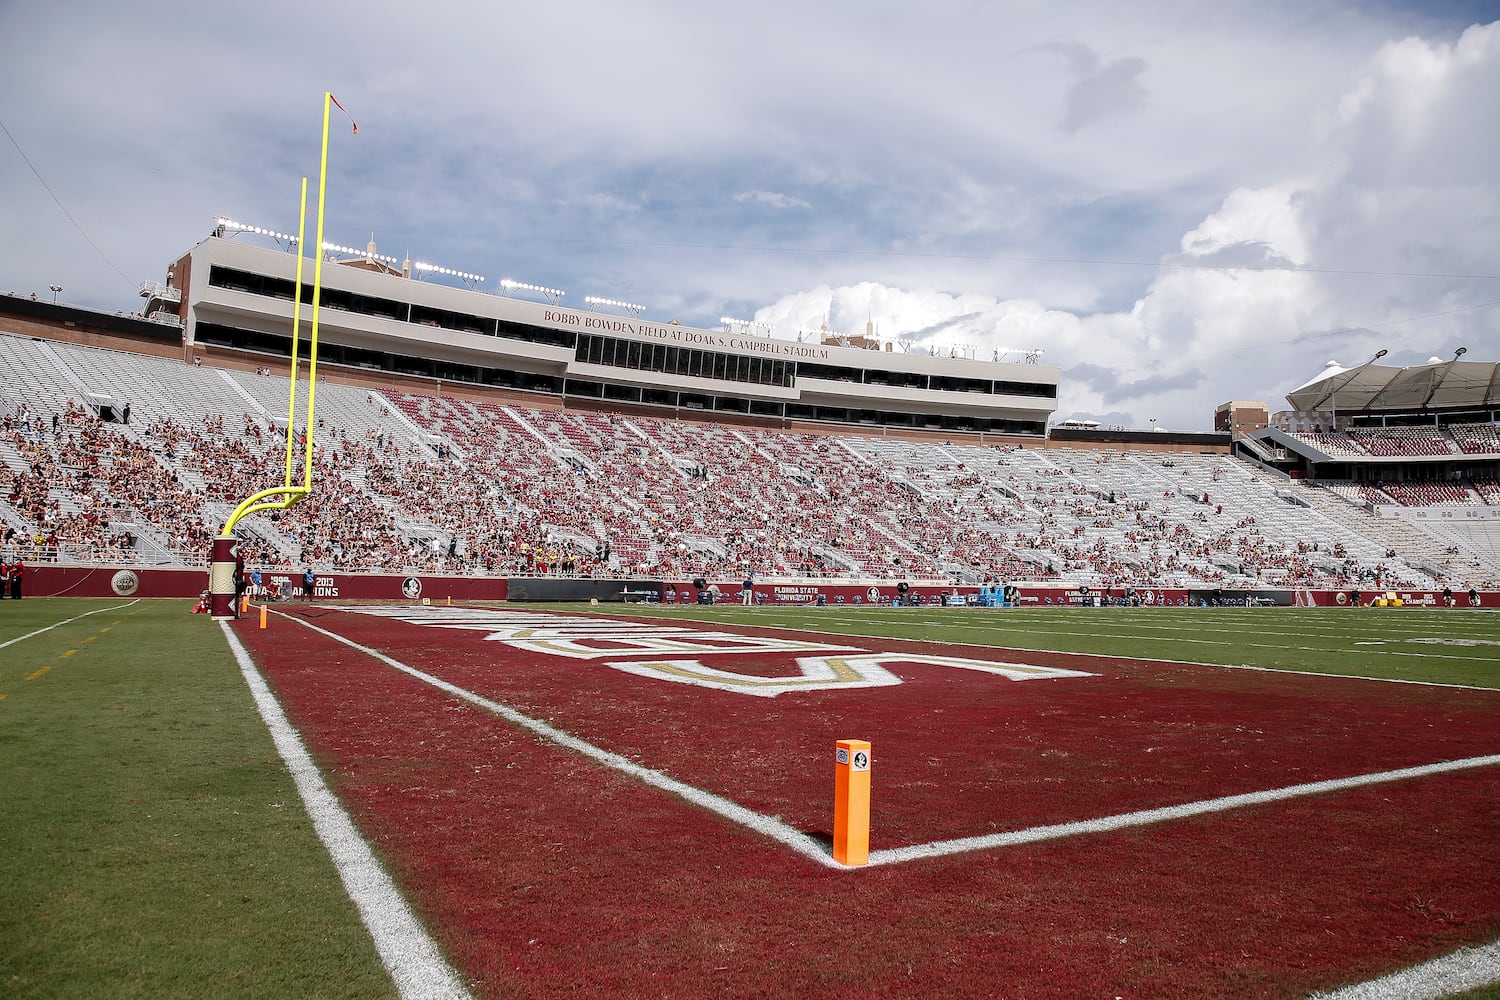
pixel 89 240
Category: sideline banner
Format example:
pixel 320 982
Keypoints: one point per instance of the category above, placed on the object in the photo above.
pixel 43 580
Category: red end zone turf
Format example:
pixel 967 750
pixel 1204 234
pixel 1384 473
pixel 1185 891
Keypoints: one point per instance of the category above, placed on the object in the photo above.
pixel 546 873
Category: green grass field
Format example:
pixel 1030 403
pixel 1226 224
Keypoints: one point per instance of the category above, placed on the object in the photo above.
pixel 152 842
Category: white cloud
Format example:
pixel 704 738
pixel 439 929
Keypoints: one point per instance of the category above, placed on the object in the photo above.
pixel 1099 90
pixel 771 199
pixel 1269 284
pixel 945 175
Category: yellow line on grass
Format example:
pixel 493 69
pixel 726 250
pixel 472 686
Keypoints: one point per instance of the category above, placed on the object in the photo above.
pixel 69 652
pixel 39 673
pixel 49 628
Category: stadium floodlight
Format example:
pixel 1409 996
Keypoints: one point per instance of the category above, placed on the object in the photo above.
pixel 356 252
pixel 746 326
pixel 508 285
pixel 633 308
pixel 55 290
pixel 1333 394
pixel 223 226
pixel 1442 372
pixel 1030 354
pixel 470 279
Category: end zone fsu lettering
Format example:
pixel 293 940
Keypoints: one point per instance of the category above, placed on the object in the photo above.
pixel 638 648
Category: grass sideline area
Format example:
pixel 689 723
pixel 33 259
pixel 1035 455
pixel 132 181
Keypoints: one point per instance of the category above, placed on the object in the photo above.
pixel 152 842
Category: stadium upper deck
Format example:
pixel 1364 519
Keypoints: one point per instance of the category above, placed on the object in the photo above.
pixel 229 293
pixel 1423 434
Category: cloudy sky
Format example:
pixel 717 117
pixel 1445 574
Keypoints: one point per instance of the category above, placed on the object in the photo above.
pixel 1179 203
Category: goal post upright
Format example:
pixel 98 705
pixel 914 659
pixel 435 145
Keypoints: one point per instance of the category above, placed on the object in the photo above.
pixel 291 405
pixel 226 562
pixel 317 296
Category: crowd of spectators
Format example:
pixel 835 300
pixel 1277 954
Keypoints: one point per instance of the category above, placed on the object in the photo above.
pixel 487 489
pixel 1406 442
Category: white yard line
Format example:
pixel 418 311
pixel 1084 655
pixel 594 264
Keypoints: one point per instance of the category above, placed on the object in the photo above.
pixel 1144 817
pixel 410 955
pixel 49 628
pixel 1144 659
pixel 1464 969
pixel 769 826
pixel 1144 637
pixel 783 833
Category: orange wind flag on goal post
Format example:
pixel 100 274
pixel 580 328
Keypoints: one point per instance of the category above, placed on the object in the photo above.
pixel 352 122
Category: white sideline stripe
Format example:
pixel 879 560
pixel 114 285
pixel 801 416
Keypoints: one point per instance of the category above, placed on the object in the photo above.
pixel 49 628
pixel 800 842
pixel 1146 816
pixel 1464 969
pixel 770 826
pixel 1156 659
pixel 407 951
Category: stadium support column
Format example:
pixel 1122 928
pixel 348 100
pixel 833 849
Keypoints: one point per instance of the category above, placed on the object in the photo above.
pixel 223 569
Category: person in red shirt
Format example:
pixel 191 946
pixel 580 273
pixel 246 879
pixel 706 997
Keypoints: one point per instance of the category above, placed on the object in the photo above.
pixel 17 574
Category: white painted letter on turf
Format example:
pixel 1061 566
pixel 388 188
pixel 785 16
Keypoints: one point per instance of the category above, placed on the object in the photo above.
pixel 827 673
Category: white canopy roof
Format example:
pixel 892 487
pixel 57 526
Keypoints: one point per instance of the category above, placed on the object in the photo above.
pixel 1452 384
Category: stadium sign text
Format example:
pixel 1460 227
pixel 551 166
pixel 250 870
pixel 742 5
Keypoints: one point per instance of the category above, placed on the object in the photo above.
pixel 323 586
pixel 684 335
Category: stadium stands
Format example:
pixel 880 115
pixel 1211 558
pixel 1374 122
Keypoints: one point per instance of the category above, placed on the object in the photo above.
pixel 1405 442
pixel 407 481
pixel 1476 439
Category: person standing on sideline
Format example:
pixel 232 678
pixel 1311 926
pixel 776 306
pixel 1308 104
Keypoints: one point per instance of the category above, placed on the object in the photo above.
pixel 17 573
pixel 307 584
